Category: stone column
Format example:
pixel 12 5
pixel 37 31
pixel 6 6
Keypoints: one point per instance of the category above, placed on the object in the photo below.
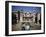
pixel 33 17
pixel 38 18
pixel 21 18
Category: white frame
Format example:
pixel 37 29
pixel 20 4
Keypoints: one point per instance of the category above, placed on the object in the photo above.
pixel 23 32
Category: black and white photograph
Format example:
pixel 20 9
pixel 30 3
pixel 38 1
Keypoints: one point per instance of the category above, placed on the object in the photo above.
pixel 24 18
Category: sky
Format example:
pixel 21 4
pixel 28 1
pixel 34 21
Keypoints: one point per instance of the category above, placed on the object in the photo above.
pixel 31 9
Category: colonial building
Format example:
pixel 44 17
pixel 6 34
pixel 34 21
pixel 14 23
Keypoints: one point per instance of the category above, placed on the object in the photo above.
pixel 27 17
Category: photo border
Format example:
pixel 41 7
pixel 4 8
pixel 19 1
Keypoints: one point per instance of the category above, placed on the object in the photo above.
pixel 7 18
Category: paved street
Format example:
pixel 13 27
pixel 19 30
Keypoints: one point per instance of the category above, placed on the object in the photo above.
pixel 17 27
